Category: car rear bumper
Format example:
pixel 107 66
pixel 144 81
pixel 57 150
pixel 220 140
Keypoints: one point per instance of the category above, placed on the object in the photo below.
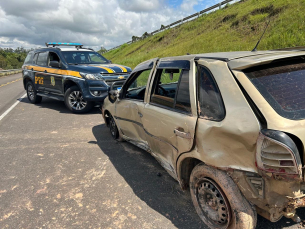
pixel 272 196
pixel 294 203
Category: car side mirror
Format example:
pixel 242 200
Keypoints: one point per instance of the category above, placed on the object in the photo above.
pixel 55 64
pixel 114 90
pixel 113 95
pixel 110 61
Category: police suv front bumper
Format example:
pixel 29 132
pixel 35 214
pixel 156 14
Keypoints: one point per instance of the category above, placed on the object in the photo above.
pixel 94 90
pixel 97 90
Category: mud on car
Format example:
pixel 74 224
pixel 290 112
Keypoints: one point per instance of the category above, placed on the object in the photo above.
pixel 78 76
pixel 228 126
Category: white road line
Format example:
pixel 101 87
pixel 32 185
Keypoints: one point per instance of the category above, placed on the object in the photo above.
pixel 12 107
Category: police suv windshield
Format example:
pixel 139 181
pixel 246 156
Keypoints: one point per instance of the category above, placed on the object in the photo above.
pixel 282 83
pixel 84 57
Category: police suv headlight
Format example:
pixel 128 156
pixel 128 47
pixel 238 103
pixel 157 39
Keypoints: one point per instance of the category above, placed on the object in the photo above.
pixel 91 76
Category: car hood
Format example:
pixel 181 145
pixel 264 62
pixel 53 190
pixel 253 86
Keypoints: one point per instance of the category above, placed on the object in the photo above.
pixel 101 68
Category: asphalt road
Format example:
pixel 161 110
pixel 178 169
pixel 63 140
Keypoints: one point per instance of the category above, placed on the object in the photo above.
pixel 61 170
pixel 11 89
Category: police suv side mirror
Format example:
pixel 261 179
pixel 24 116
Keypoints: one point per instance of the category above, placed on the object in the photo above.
pixel 55 64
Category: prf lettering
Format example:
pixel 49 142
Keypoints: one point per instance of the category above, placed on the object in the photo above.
pixel 38 80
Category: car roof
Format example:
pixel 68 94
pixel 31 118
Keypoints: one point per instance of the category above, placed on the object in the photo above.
pixel 243 59
pixel 262 57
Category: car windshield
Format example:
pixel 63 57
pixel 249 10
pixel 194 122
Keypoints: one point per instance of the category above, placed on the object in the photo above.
pixel 84 57
pixel 282 83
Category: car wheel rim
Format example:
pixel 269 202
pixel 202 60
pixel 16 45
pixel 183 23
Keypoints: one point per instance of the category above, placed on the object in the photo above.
pixel 213 203
pixel 76 101
pixel 113 128
pixel 31 92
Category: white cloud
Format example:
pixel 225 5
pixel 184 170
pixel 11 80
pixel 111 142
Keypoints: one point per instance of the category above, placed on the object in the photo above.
pixel 94 23
pixel 22 8
pixel 139 5
pixel 188 5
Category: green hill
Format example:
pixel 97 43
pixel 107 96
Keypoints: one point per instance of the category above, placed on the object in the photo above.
pixel 233 28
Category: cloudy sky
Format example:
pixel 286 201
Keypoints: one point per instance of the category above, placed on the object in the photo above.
pixel 94 23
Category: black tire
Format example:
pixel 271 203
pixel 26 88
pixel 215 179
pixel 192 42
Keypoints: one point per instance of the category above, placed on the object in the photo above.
pixel 114 131
pixel 32 93
pixel 218 201
pixel 74 101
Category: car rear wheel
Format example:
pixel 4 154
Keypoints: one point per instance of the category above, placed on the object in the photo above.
pixel 75 102
pixel 218 201
pixel 32 94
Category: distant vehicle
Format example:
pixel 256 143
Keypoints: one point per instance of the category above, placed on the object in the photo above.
pixel 78 76
pixel 230 126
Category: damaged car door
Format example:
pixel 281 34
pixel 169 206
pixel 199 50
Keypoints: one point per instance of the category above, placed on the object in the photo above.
pixel 131 102
pixel 169 117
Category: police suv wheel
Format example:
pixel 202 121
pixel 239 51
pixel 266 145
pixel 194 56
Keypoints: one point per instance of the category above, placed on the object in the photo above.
pixel 218 201
pixel 32 94
pixel 75 102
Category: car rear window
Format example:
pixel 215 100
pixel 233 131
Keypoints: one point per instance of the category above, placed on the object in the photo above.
pixel 282 83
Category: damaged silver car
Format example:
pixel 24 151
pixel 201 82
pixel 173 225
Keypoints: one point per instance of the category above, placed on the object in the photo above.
pixel 228 126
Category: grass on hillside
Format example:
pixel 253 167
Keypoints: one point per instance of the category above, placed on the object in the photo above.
pixel 233 28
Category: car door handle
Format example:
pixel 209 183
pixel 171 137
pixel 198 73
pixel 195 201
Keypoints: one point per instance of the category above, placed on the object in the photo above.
pixel 140 114
pixel 182 134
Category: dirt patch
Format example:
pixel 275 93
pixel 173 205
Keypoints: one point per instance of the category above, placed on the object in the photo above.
pixel 268 9
pixel 263 10
pixel 235 23
pixel 276 11
pixel 160 39
pixel 244 18
pixel 229 17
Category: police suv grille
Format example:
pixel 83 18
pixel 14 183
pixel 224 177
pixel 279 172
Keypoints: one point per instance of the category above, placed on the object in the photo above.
pixel 115 73
pixel 114 80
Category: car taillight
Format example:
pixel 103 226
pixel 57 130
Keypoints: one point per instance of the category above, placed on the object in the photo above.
pixel 277 153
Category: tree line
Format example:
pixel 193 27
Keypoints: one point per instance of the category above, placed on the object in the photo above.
pixel 12 58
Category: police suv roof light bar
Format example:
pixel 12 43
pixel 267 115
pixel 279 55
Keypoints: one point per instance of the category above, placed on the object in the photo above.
pixel 77 45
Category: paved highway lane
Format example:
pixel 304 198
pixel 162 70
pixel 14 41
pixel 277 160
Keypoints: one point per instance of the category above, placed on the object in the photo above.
pixel 60 170
pixel 11 89
pixel 10 78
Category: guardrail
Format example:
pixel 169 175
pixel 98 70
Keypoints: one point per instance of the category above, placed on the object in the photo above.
pixel 9 72
pixel 174 24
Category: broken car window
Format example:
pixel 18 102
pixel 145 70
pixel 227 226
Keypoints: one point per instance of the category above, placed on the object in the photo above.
pixel 282 84
pixel 211 104
pixel 165 88
pixel 183 102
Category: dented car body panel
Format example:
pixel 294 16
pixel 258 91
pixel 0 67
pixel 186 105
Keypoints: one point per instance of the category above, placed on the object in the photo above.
pixel 274 120
pixel 242 134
